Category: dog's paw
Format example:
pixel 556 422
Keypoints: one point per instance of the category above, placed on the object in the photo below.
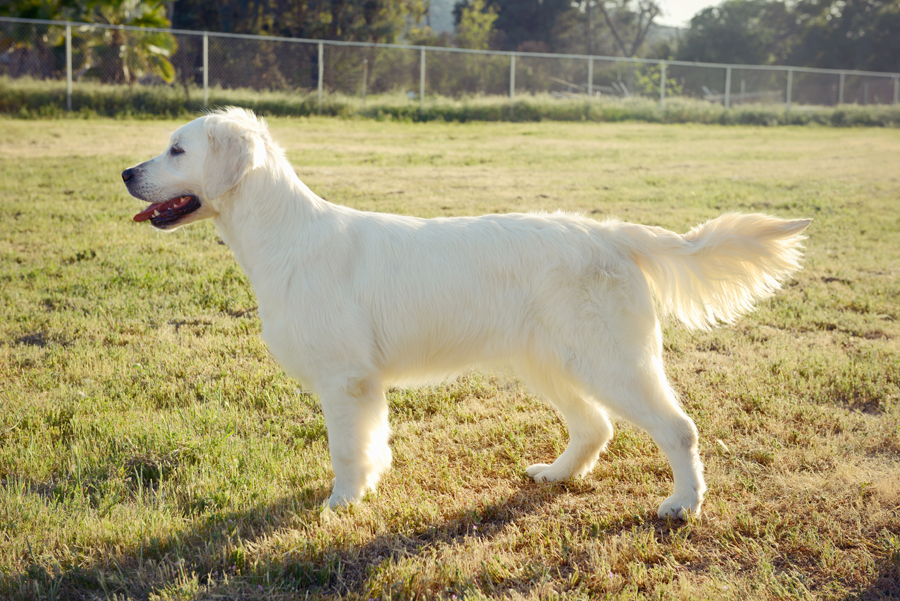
pixel 680 507
pixel 337 502
pixel 340 499
pixel 541 472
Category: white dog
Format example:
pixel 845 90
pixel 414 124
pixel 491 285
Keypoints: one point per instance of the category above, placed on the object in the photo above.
pixel 352 302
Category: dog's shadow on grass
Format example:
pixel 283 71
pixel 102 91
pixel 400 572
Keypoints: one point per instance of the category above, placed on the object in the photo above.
pixel 886 585
pixel 345 568
pixel 257 553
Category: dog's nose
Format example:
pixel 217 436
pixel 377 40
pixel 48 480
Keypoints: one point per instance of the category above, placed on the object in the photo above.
pixel 127 175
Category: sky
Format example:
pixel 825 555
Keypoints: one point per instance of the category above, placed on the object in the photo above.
pixel 679 12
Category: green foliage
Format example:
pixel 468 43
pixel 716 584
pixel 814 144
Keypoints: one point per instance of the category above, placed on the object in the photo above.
pixel 834 34
pixel 384 21
pixel 524 24
pixel 848 34
pixel 646 81
pixel 107 55
pixel 627 21
pixel 476 25
pixel 750 32
pixel 610 27
pixel 42 9
pixel 116 56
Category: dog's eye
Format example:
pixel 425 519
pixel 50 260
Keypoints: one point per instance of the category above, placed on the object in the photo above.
pixel 175 151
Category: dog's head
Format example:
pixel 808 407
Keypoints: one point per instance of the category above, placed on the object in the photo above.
pixel 204 160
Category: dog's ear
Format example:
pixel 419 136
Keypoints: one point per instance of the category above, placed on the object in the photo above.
pixel 233 150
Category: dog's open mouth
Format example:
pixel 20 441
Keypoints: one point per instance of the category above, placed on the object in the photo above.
pixel 161 214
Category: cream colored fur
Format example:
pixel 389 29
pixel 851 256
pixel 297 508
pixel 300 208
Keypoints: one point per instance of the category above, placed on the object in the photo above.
pixel 352 302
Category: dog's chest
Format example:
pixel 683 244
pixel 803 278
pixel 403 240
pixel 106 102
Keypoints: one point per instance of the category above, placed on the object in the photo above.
pixel 288 347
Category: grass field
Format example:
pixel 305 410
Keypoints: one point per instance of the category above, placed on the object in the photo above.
pixel 150 448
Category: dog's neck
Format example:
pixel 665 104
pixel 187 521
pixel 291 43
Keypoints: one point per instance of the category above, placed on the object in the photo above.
pixel 272 221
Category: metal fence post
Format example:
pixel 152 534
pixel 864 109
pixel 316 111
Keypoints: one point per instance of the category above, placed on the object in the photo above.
pixel 790 85
pixel 841 89
pixel 365 79
pixel 897 90
pixel 205 70
pixel 590 89
pixel 512 80
pixel 321 73
pixel 422 77
pixel 662 85
pixel 727 87
pixel 69 68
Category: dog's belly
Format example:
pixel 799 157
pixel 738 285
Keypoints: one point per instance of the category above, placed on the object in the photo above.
pixel 430 362
pixel 416 349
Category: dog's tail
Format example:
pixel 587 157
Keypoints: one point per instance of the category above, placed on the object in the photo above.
pixel 717 270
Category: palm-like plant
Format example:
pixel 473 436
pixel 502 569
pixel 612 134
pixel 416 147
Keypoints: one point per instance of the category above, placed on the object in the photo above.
pixel 107 54
pixel 125 56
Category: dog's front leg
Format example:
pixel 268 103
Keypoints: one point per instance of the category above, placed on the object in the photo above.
pixel 356 413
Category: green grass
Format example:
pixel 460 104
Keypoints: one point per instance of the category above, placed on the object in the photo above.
pixel 26 98
pixel 150 448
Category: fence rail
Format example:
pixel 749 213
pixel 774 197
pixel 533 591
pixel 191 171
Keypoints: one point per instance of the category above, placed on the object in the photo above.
pixel 137 56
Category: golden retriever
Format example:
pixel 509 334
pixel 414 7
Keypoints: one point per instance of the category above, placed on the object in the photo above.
pixel 353 301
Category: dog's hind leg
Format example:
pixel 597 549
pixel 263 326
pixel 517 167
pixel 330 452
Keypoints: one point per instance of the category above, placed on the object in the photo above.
pixel 356 414
pixel 642 396
pixel 589 429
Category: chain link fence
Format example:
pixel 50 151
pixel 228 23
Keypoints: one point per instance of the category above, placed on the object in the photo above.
pixel 193 63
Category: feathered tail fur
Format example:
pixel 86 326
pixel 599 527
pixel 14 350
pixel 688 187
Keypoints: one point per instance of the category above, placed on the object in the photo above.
pixel 718 270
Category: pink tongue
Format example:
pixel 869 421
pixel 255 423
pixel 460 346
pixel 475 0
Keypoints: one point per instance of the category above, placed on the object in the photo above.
pixel 148 212
pixel 160 206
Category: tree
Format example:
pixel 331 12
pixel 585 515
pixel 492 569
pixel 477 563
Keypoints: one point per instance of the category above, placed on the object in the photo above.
pixel 750 32
pixel 526 25
pixel 580 26
pixel 848 34
pixel 837 34
pixel 383 21
pixel 607 27
pixel 628 26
